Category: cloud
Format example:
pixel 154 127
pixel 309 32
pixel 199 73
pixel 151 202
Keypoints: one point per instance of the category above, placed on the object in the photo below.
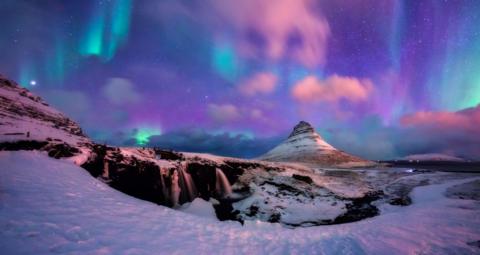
pixel 259 83
pixel 370 139
pixel 454 133
pixel 121 91
pixel 331 90
pixel 223 113
pixel 451 133
pixel 276 30
pixel 257 114
pixel 225 144
pixel 229 115
pixel 374 144
pixel 465 120
pixel 280 29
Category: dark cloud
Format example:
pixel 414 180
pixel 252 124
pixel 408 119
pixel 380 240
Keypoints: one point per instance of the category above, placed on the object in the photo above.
pixel 451 133
pixel 454 133
pixel 224 144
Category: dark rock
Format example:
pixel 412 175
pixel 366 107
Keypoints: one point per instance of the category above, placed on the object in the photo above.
pixel 243 165
pixel 360 208
pixel 140 179
pixel 95 165
pixel 253 210
pixel 474 243
pixel 61 150
pixel 23 145
pixel 169 155
pixel 204 177
pixel 224 211
pixel 302 178
pixel 284 187
pixel 243 189
pixel 401 201
pixel 233 170
pixel 274 218
pixel 14 133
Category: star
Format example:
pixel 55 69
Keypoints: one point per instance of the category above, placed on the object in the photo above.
pixel 33 82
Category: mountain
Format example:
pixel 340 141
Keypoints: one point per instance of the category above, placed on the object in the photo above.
pixel 27 122
pixel 305 145
pixel 433 157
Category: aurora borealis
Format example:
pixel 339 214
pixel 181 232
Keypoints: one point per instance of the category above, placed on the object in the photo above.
pixel 378 78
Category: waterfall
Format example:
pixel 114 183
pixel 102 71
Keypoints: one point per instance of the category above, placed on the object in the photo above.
pixel 188 190
pixel 164 186
pixel 175 189
pixel 106 172
pixel 222 186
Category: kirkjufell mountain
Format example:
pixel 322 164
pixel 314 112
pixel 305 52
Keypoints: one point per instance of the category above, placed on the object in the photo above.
pixel 305 145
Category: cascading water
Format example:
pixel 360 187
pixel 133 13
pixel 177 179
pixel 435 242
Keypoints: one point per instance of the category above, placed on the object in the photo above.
pixel 164 186
pixel 188 190
pixel 106 172
pixel 222 185
pixel 175 189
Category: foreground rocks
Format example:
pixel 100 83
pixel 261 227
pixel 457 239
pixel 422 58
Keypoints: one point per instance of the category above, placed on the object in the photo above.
pixel 54 149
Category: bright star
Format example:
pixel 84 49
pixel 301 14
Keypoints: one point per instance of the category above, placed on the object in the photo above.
pixel 33 82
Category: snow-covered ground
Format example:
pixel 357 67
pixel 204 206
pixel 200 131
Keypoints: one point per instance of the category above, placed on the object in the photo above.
pixel 52 206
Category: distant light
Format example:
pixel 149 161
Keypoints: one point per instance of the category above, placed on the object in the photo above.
pixel 33 82
pixel 143 135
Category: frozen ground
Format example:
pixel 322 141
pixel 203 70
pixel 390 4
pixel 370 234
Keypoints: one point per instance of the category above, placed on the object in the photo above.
pixel 52 206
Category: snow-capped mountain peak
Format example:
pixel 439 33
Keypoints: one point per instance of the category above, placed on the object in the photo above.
pixel 302 127
pixel 305 145
pixel 304 135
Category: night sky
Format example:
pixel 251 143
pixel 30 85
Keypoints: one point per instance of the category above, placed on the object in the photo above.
pixel 377 78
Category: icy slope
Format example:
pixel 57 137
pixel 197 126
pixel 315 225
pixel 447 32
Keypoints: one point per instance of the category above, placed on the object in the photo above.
pixel 23 112
pixel 307 146
pixel 50 206
pixel 29 123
